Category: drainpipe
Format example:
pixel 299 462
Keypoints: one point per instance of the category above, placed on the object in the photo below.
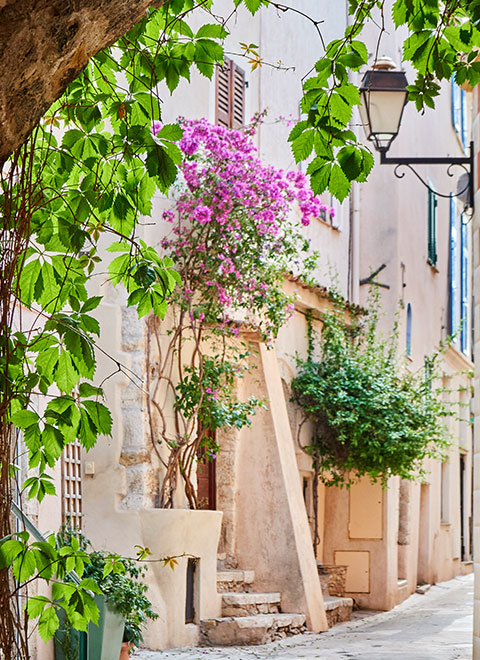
pixel 354 246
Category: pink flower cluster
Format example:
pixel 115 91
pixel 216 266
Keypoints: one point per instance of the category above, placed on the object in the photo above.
pixel 238 227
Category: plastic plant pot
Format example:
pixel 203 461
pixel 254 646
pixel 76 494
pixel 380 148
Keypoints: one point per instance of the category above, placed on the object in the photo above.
pixel 102 642
pixel 105 640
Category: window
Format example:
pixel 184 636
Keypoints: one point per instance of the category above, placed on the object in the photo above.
pixel 445 493
pixel 190 590
pixel 230 95
pixel 409 331
pixel 454 297
pixel 432 228
pixel 459 278
pixel 464 288
pixel 459 113
pixel 72 485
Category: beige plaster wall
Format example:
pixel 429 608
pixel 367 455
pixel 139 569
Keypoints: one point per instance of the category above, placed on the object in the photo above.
pixel 393 231
pixel 166 533
pixel 476 288
pixel 272 531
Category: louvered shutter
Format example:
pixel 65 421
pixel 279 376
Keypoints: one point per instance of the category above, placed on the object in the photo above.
pixel 454 301
pixel 456 107
pixel 222 95
pixel 230 95
pixel 464 286
pixel 464 117
pixel 238 96
pixel 432 228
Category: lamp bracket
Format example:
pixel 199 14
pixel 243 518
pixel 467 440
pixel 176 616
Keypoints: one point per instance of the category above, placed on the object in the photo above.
pixel 465 162
pixel 370 280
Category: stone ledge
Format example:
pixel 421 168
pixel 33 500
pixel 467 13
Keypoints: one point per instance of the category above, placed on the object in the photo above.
pixel 246 604
pixel 331 602
pixel 258 629
pixel 234 580
pixel 337 609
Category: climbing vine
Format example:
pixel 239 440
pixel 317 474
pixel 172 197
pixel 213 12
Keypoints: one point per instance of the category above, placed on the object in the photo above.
pixel 371 415
pixel 80 183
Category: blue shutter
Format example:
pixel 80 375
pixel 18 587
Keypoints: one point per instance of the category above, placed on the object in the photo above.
pixel 454 306
pixel 456 107
pixel 464 118
pixel 464 287
pixel 409 331
pixel 432 228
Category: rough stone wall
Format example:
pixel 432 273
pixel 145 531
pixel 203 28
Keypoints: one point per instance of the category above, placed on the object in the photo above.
pixel 141 483
pixel 404 513
pixel 44 45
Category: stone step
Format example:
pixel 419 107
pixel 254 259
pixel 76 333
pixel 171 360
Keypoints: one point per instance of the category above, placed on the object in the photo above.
pixel 257 629
pixel 337 609
pixel 234 580
pixel 225 561
pixel 246 604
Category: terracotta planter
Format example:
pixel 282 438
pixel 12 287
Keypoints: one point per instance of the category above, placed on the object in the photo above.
pixel 125 652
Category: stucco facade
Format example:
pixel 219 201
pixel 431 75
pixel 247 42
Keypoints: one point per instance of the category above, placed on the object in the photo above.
pixel 476 287
pixel 391 539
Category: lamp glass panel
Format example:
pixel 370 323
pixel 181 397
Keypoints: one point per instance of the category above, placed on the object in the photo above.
pixel 385 109
pixel 363 114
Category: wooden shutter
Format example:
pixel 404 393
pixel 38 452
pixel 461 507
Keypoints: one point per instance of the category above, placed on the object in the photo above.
pixel 206 478
pixel 222 95
pixel 230 95
pixel 238 96
pixel 72 485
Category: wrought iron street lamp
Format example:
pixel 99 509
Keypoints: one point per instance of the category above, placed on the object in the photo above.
pixel 383 97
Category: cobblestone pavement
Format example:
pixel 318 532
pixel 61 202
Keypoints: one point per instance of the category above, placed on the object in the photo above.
pixel 435 626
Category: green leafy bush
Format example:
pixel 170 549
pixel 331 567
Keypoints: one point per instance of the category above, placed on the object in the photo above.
pixel 120 579
pixel 371 415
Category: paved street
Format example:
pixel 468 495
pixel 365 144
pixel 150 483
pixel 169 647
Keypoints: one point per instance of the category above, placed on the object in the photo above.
pixel 436 626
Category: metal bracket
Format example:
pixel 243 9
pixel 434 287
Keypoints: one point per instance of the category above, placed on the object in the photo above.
pixel 465 162
pixel 370 280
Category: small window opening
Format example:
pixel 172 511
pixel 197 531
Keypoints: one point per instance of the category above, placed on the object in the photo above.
pixel 190 591
pixel 408 347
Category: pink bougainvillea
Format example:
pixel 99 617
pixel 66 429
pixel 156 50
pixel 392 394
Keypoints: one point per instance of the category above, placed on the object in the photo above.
pixel 238 227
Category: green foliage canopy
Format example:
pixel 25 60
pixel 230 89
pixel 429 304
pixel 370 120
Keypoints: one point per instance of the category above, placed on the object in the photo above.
pixel 443 40
pixel 371 415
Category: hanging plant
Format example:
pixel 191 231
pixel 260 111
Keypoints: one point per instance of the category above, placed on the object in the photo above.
pixel 371 416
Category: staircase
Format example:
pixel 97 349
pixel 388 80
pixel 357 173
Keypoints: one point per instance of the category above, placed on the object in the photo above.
pixel 248 617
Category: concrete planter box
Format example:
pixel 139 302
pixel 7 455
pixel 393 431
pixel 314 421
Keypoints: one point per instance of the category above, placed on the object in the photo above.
pixel 180 533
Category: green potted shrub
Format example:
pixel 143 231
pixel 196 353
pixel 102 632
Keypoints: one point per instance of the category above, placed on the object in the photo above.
pixel 123 605
pixel 121 580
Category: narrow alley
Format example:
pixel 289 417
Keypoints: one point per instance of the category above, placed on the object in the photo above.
pixel 434 626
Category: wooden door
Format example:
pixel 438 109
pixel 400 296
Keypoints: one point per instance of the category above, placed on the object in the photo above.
pixel 206 480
